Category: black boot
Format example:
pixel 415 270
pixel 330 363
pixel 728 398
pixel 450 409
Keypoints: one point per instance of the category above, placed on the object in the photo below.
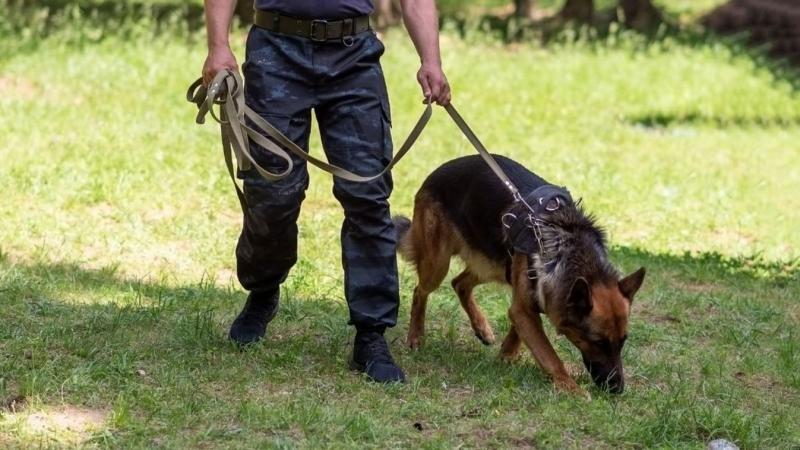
pixel 258 311
pixel 371 356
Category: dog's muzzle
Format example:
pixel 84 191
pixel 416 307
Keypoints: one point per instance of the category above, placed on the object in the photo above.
pixel 609 377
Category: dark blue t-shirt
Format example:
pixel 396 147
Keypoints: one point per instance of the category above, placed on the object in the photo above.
pixel 318 9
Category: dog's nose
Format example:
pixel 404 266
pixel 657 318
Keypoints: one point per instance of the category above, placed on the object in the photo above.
pixel 611 386
pixel 610 382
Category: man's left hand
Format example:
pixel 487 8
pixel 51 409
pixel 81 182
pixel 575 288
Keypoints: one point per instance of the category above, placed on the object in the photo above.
pixel 434 84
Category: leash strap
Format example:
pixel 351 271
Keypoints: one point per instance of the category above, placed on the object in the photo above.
pixel 487 157
pixel 227 91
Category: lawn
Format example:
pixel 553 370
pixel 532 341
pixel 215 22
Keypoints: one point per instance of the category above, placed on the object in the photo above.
pixel 117 273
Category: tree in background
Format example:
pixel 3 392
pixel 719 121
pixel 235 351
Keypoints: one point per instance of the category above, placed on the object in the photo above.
pixel 578 10
pixel 773 25
pixel 387 13
pixel 524 8
pixel 639 15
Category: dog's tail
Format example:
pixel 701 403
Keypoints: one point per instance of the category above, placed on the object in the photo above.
pixel 405 246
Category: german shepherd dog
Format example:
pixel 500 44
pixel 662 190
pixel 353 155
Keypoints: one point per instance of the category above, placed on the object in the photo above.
pixel 556 263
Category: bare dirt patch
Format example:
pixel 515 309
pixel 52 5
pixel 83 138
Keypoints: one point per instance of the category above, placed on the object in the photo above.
pixel 68 421
pixel 700 288
pixel 760 382
pixel 793 311
pixel 642 311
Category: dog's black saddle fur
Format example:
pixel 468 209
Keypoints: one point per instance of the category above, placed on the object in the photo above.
pixel 476 201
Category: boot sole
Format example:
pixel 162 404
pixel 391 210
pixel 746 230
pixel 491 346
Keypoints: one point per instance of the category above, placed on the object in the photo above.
pixel 358 367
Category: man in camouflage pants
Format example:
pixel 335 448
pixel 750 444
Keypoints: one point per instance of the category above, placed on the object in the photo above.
pixel 321 55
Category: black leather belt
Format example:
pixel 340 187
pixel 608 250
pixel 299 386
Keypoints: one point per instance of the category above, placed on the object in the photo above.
pixel 316 30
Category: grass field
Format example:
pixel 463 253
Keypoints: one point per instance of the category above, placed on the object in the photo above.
pixel 118 221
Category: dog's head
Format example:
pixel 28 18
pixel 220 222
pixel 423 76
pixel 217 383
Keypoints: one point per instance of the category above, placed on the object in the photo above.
pixel 579 290
pixel 594 317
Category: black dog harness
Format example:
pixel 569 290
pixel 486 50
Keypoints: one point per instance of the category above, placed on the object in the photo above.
pixel 523 222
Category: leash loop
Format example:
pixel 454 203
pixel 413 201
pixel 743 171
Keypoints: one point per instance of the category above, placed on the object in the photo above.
pixel 239 124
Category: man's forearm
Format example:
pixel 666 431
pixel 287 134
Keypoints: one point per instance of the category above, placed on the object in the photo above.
pixel 218 21
pixel 422 21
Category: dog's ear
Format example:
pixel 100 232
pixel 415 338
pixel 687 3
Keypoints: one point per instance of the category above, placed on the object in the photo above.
pixel 631 284
pixel 579 300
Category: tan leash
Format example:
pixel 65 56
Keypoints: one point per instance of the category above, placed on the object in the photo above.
pixel 227 91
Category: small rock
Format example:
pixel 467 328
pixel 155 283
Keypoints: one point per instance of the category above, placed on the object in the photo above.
pixel 141 372
pixel 722 444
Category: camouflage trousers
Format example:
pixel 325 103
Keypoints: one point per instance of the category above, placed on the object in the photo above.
pixel 287 77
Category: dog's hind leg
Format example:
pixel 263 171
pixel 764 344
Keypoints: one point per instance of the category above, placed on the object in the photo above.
pixel 432 248
pixel 464 285
pixel 509 351
pixel 429 280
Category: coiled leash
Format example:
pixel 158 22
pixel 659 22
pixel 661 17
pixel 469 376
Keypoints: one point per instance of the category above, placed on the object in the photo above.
pixel 227 91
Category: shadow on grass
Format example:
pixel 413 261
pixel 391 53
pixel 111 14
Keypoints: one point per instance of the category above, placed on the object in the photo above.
pixel 60 301
pixel 83 335
pixel 661 119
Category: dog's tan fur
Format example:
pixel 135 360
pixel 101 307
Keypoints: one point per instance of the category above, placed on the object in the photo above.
pixel 431 243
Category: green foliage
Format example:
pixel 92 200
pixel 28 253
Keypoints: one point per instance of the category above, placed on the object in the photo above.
pixel 117 272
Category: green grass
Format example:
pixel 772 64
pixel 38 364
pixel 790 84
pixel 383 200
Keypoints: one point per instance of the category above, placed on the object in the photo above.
pixel 117 270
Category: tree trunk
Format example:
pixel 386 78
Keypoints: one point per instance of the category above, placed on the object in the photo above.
pixel 387 13
pixel 640 15
pixel 524 8
pixel 578 10
pixel 244 11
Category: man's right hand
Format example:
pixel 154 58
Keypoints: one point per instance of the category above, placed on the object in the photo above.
pixel 218 59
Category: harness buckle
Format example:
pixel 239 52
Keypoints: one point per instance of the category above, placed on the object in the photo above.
pixel 314 36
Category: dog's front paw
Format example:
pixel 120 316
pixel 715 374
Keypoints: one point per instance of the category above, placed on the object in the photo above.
pixel 569 386
pixel 414 341
pixel 509 355
pixel 486 336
